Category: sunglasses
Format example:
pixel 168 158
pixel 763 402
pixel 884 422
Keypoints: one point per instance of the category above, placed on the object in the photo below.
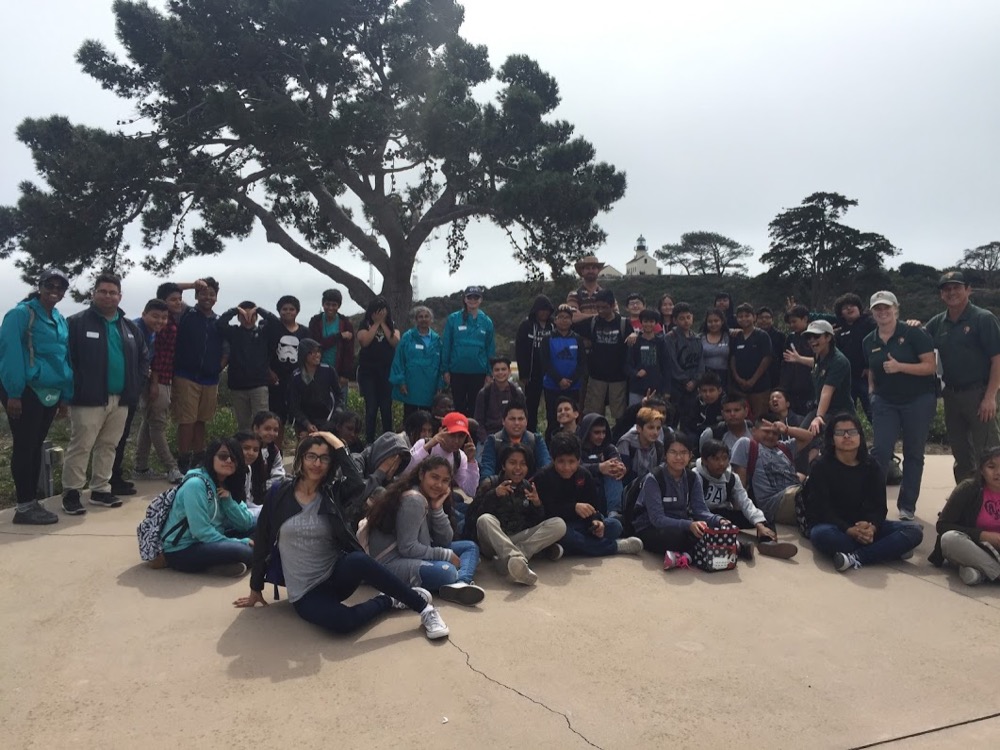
pixel 225 457
pixel 55 286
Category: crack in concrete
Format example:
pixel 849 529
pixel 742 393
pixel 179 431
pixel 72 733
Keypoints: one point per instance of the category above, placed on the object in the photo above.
pixel 934 730
pixel 945 587
pixel 569 724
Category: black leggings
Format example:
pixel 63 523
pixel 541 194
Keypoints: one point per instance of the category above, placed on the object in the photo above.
pixel 29 432
pixel 377 393
pixel 464 387
pixel 324 605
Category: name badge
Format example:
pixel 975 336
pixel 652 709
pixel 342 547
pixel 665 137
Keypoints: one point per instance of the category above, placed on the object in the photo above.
pixel 572 346
pixel 741 346
pixel 463 328
pixel 93 335
pixel 876 350
pixel 130 335
pixel 418 346
pixel 644 348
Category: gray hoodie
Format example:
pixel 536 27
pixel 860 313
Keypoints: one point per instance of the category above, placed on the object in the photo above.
pixel 717 498
pixel 386 445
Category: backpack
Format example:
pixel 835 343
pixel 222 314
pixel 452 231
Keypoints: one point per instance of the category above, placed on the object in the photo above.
pixel 150 531
pixel 752 462
pixel 632 495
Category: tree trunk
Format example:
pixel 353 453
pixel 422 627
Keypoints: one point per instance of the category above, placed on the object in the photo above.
pixel 397 289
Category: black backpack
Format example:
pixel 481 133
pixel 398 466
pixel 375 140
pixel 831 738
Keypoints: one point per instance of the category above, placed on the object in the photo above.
pixel 632 495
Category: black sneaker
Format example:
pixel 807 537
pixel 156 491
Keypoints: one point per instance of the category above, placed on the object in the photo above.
pixel 71 503
pixel 105 499
pixel 36 515
pixel 122 487
pixel 744 550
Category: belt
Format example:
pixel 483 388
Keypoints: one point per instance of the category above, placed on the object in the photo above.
pixel 966 387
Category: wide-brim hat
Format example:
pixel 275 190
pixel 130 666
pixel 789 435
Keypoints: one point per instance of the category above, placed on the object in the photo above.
pixel 589 260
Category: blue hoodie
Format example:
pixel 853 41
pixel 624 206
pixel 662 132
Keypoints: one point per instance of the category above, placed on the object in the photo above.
pixel 51 376
pixel 208 516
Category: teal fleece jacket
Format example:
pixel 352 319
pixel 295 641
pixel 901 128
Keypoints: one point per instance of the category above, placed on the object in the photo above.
pixel 208 516
pixel 468 344
pixel 51 372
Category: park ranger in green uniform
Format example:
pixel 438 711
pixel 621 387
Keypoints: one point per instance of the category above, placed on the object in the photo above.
pixel 968 342
pixel 831 376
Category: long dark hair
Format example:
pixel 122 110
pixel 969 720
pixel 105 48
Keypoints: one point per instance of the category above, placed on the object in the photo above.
pixel 378 303
pixel 258 470
pixel 235 484
pixel 382 512
pixel 828 447
pixel 300 452
pixel 413 425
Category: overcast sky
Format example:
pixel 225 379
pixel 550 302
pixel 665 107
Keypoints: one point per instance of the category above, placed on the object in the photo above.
pixel 721 112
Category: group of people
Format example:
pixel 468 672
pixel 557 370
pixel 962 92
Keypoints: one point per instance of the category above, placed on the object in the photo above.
pixel 655 433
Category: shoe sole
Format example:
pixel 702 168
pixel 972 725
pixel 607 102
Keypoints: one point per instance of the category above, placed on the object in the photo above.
pixel 467 595
pixel 438 634
pixel 121 492
pixel 75 511
pixel 103 504
pixel 26 522
pixel 781 550
pixel 520 572
pixel 557 556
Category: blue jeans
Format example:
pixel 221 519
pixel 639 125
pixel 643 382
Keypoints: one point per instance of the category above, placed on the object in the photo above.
pixel 579 541
pixel 202 555
pixel 324 604
pixel 859 392
pixel 891 541
pixel 437 573
pixel 913 419
pixel 612 494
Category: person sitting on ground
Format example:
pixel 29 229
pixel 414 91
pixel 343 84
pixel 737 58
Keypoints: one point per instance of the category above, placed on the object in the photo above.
pixel 380 464
pixel 969 526
pixel 321 560
pixel 781 407
pixel 600 458
pixel 672 522
pixel 627 422
pixel 734 424
pixel 568 492
pixel 253 479
pixel 725 496
pixel 514 431
pixel 207 506
pixel 708 410
pixel 846 507
pixel 493 397
pixel 315 392
pixel 411 533
pixel 508 521
pixel 567 418
pixel 765 464
pixel 267 426
pixel 441 404
pixel 346 425
pixel 418 425
pixel 641 448
pixel 454 443
pixel 647 362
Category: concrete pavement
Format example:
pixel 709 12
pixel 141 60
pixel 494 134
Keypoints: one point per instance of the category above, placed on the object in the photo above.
pixel 101 651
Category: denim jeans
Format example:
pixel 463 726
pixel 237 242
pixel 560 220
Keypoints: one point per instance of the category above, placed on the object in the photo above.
pixel 202 555
pixel 859 392
pixel 437 573
pixel 612 494
pixel 913 419
pixel 324 604
pixel 579 541
pixel 891 541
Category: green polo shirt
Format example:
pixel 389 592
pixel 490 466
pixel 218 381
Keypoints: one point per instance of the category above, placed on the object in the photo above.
pixel 966 345
pixel 835 370
pixel 905 345
pixel 116 357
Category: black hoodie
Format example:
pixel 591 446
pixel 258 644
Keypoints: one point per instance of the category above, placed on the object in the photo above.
pixel 530 337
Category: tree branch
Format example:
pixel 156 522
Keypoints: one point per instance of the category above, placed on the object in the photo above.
pixel 340 221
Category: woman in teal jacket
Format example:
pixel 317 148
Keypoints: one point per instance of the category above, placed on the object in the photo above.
pixel 416 365
pixel 36 380
pixel 468 347
pixel 207 512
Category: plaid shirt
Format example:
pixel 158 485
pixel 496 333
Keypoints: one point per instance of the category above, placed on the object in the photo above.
pixel 163 352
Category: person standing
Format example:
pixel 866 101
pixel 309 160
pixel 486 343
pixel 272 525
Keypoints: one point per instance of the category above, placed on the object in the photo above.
pixel 765 322
pixel 583 298
pixel 335 334
pixel 902 379
pixel 415 374
pixel 750 358
pixel 854 324
pixel 606 333
pixel 198 363
pixel 378 337
pixel 107 353
pixel 796 366
pixel 967 338
pixel 831 375
pixel 36 381
pixel 284 336
pixel 531 336
pixel 469 344
pixel 249 369
pixel 563 362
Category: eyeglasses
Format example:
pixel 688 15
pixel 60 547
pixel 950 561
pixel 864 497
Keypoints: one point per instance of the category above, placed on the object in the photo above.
pixel 679 454
pixel 225 457
pixel 852 432
pixel 55 286
pixel 315 458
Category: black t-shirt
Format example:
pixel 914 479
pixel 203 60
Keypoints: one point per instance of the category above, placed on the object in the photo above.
pixel 606 359
pixel 747 353
pixel 284 348
pixel 376 358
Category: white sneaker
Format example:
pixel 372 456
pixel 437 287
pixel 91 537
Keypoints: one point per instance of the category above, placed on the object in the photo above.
pixel 630 546
pixel 844 562
pixel 434 626
pixel 517 568
pixel 175 476
pixel 399 604
pixel 906 515
pixel 970 576
pixel 468 594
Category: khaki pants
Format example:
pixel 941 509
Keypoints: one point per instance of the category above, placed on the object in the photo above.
pixel 493 542
pixel 97 430
pixel 246 404
pixel 959 549
pixel 616 394
pixel 155 416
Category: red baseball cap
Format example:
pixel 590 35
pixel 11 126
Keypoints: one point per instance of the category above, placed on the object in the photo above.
pixel 455 421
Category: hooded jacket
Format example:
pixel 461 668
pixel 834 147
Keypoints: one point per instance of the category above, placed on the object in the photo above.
pixel 718 496
pixel 345 349
pixel 198 349
pixel 249 350
pixel 529 339
pixel 514 512
pixel 466 472
pixel 51 374
pixel 317 400
pixel 682 503
pixel 209 517
pixel 386 446
pixel 594 455
pixel 418 365
pixel 637 461
pixel 468 343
